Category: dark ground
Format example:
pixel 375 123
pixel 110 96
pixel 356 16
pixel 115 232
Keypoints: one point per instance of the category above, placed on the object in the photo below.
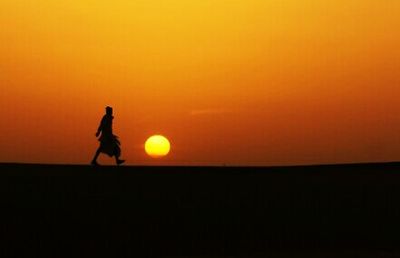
pixel 318 211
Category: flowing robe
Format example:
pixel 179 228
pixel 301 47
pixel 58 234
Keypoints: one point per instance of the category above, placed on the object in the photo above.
pixel 109 143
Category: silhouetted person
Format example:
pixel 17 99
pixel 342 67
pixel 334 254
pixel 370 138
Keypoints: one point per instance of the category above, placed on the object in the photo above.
pixel 109 143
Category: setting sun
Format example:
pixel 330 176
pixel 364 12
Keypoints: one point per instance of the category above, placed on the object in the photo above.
pixel 157 146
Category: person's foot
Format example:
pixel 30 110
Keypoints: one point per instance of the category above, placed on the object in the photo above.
pixel 120 161
pixel 94 163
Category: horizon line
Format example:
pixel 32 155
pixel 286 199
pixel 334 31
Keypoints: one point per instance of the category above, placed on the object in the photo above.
pixel 205 166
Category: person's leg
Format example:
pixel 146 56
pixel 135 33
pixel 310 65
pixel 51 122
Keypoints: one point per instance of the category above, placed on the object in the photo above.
pixel 117 155
pixel 118 161
pixel 117 152
pixel 96 155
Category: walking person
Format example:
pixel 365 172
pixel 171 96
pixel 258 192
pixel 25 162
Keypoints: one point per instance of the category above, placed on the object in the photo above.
pixel 109 143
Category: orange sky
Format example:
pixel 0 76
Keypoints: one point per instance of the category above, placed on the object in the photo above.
pixel 235 82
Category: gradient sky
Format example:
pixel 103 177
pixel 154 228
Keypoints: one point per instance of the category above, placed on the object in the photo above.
pixel 235 82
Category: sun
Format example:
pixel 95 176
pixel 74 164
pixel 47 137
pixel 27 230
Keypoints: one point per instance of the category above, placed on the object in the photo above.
pixel 157 146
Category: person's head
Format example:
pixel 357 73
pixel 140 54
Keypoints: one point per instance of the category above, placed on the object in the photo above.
pixel 109 110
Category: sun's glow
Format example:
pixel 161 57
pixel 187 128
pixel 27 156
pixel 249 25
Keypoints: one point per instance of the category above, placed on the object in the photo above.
pixel 157 146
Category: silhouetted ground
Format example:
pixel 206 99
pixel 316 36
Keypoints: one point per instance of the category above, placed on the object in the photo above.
pixel 318 211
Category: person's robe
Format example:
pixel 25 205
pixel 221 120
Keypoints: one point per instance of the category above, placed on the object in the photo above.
pixel 109 143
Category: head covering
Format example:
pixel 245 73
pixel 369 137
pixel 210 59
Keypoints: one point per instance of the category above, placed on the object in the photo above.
pixel 109 109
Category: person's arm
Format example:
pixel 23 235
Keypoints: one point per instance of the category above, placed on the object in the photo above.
pixel 100 127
